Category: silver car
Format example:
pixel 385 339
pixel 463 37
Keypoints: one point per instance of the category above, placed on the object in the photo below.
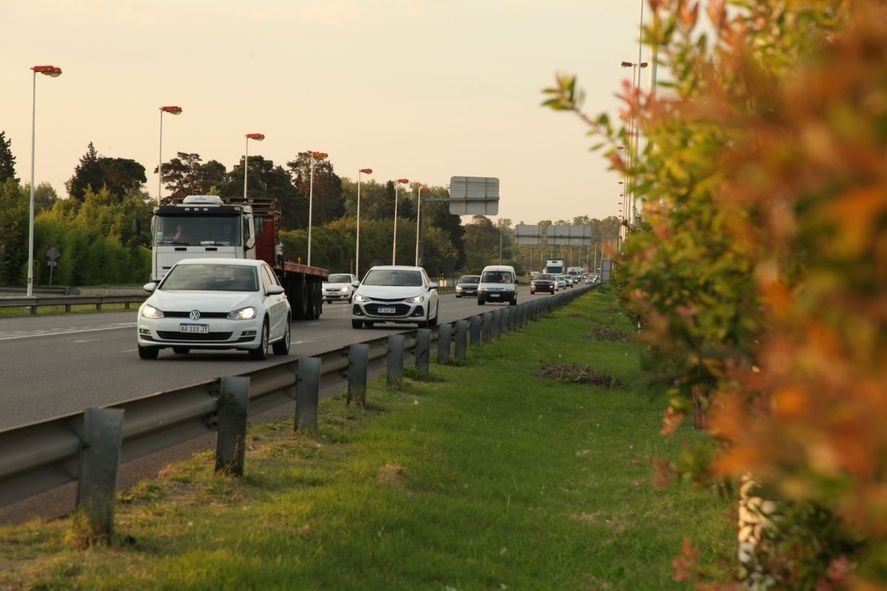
pixel 215 304
pixel 395 294
pixel 339 287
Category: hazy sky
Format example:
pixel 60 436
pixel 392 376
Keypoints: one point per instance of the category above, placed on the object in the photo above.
pixel 422 89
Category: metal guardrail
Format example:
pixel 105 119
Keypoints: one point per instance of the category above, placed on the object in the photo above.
pixel 71 300
pixel 41 456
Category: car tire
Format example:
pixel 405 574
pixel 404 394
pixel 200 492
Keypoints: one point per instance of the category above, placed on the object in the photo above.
pixel 148 352
pixel 480 301
pixel 433 321
pixel 357 324
pixel 514 301
pixel 181 350
pixel 282 347
pixel 260 353
pixel 532 292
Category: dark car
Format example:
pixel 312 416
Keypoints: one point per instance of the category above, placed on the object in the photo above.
pixel 542 282
pixel 467 285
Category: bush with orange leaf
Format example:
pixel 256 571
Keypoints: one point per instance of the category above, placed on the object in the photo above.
pixel 760 271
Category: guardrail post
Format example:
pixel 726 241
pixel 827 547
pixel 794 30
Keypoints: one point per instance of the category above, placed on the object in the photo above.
pixel 231 440
pixel 307 393
pixel 488 327
pixel 497 323
pixel 461 338
pixel 444 338
pixel 395 360
pixel 510 317
pixel 99 459
pixel 358 360
pixel 475 330
pixel 423 346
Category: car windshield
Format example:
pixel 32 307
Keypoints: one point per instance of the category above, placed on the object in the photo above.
pixel 469 279
pixel 496 277
pixel 543 277
pixel 197 231
pixel 339 278
pixel 392 277
pixel 207 277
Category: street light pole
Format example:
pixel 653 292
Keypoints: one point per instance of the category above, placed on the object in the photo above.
pixel 633 126
pixel 318 156
pixel 394 240
pixel 250 136
pixel 419 191
pixel 357 243
pixel 53 72
pixel 172 110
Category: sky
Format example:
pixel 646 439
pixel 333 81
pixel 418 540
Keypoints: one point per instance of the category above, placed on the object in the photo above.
pixel 417 89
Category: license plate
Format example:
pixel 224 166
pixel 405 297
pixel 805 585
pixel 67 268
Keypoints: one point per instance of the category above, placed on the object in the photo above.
pixel 387 310
pixel 494 295
pixel 194 328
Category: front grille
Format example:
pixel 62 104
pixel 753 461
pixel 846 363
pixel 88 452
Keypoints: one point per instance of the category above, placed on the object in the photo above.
pixel 399 309
pixel 169 335
pixel 202 314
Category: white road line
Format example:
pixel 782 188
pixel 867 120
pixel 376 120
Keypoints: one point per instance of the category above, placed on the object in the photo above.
pixel 59 332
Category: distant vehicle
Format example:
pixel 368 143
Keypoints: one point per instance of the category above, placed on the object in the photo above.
pixel 398 294
pixel 542 282
pixel 560 281
pixel 339 287
pixel 215 304
pixel 467 285
pixel 554 266
pixel 575 274
pixel 498 283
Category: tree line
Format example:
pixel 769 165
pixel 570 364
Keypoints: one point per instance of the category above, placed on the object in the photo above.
pixel 102 228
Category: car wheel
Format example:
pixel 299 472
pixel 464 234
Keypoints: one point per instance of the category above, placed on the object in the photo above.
pixel 532 291
pixel 261 352
pixel 282 347
pixel 480 301
pixel 433 321
pixel 148 352
pixel 181 350
pixel 357 324
pixel 458 296
pixel 514 301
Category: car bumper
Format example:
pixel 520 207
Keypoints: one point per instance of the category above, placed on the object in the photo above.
pixel 466 292
pixel 496 296
pixel 381 311
pixel 336 296
pixel 219 333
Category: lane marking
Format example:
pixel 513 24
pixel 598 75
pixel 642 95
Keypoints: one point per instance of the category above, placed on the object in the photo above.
pixel 64 331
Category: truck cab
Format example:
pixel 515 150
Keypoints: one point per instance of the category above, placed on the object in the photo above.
pixel 200 226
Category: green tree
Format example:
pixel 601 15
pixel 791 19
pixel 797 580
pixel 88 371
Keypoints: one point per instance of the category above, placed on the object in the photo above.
pixel 481 244
pixel 7 160
pixel 187 174
pixel 120 176
pixel 87 174
pixel 328 202
pixel 14 206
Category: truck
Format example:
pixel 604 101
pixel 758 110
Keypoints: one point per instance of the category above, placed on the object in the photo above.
pixel 554 266
pixel 208 226
pixel 576 273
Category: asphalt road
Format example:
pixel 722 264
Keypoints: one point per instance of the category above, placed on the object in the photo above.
pixel 56 365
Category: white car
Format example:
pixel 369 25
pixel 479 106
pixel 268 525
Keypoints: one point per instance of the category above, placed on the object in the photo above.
pixel 392 293
pixel 560 282
pixel 339 287
pixel 215 304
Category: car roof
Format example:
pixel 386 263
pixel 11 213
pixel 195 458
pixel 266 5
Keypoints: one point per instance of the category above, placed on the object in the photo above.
pixel 222 261
pixel 395 268
pixel 498 268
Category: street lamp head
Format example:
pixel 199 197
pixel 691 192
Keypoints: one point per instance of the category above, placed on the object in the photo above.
pixel 643 64
pixel 172 110
pixel 255 136
pixel 366 170
pixel 403 181
pixel 424 190
pixel 53 71
pixel 319 155
pixel 626 64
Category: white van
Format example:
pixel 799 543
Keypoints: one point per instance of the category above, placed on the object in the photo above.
pixel 498 283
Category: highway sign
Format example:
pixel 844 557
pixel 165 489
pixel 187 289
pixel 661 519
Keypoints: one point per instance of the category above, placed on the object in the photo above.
pixel 474 195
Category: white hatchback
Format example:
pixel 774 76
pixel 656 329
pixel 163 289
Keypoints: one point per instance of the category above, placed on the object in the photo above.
pixel 215 304
pixel 338 287
pixel 395 294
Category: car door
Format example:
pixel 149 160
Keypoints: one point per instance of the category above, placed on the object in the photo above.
pixel 275 304
pixel 431 297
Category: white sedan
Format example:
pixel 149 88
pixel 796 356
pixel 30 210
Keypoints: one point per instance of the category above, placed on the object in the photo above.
pixel 215 304
pixel 339 287
pixel 395 294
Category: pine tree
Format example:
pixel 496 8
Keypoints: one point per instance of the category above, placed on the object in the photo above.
pixel 7 160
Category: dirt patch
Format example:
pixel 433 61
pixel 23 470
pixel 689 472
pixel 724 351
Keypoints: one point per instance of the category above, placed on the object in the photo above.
pixel 392 475
pixel 608 333
pixel 578 315
pixel 573 373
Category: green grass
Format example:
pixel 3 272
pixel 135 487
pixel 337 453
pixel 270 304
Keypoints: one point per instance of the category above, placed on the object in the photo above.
pixel 60 310
pixel 485 477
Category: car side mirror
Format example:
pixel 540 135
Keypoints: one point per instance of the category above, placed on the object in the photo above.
pixel 275 289
pixel 150 286
pixel 355 284
pixel 432 286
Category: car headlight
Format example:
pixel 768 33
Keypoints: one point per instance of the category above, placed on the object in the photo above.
pixel 247 313
pixel 416 299
pixel 360 298
pixel 149 311
pixel 345 289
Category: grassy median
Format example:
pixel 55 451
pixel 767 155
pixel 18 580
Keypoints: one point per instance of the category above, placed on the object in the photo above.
pixel 512 471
